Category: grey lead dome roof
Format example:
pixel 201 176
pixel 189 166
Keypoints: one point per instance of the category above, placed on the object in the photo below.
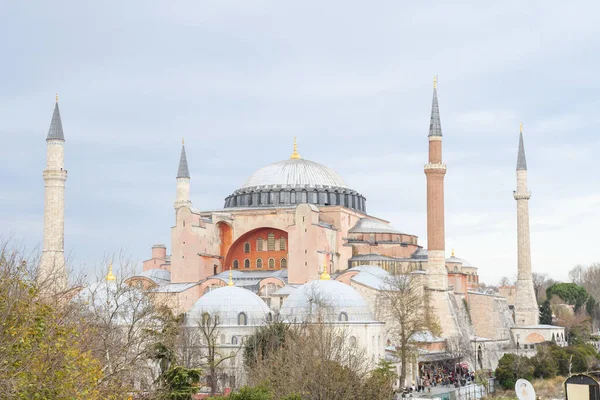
pixel 227 303
pixel 295 173
pixel 329 297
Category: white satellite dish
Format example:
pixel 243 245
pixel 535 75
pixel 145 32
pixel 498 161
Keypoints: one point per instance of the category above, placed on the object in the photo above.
pixel 525 390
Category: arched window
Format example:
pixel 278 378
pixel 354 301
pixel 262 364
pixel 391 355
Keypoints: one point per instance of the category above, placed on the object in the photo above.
pixel 304 196
pixel 246 263
pixel 343 317
pixel 259 244
pixel 352 341
pixel 234 340
pixel 205 319
pixel 236 264
pixel 282 244
pixel 271 242
pixel 232 358
pixel 242 319
pixel 259 263
pixel 247 247
pixel 222 338
pixel 293 197
pixel 283 263
pixel 271 263
pixel 269 317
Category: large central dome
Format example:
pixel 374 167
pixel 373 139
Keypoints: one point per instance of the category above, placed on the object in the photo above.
pixel 295 173
pixel 295 181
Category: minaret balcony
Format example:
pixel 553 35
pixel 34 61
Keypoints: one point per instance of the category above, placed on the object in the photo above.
pixel 50 174
pixel 522 195
pixel 435 168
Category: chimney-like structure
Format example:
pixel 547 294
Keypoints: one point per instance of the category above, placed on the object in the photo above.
pixel 526 307
pixel 182 198
pixel 52 274
pixel 435 170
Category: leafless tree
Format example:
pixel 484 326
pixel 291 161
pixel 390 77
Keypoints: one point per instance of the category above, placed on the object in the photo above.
pixel 125 325
pixel 211 357
pixel 405 305
pixel 504 281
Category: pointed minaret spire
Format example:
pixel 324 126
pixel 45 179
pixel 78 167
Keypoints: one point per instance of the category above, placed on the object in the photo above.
pixel 435 126
pixel 183 171
pixel 182 198
pixel 56 130
pixel 521 162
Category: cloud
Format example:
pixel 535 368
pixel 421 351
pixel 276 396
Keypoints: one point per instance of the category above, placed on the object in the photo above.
pixel 351 80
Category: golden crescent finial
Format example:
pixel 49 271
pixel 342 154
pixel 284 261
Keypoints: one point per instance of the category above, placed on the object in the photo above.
pixel 295 155
pixel 521 127
pixel 57 97
pixel 110 276
pixel 182 141
pixel 230 277
pixel 325 275
pixel 435 81
pixel 452 252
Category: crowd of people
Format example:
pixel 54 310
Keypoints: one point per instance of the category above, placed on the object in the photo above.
pixel 431 376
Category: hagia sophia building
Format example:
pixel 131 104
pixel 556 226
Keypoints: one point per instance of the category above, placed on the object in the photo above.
pixel 294 228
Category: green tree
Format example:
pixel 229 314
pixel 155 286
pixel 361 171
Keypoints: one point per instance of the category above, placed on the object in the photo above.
pixel 511 368
pixel 570 293
pixel 380 384
pixel 265 341
pixel 544 363
pixel 181 383
pixel 43 344
pixel 546 313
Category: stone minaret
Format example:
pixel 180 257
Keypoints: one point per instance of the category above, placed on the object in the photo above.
pixel 526 307
pixel 52 272
pixel 435 171
pixel 183 181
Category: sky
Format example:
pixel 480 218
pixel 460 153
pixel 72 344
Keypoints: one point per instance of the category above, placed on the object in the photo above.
pixel 351 80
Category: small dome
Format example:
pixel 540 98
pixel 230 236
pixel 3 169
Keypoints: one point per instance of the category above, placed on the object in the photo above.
pixel 295 173
pixel 157 275
pixel 228 302
pixel 337 302
pixel 457 260
pixel 371 225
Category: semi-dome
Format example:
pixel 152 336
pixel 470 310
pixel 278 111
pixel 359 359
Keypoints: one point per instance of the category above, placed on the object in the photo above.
pixel 227 303
pixel 331 300
pixel 295 181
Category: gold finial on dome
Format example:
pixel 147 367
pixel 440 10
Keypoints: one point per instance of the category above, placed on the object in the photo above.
pixel 435 81
pixel 110 276
pixel 452 252
pixel 230 277
pixel 325 275
pixel 521 127
pixel 57 97
pixel 295 155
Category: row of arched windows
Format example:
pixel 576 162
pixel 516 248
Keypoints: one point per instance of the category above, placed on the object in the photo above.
pixel 259 263
pixel 271 244
pixel 321 197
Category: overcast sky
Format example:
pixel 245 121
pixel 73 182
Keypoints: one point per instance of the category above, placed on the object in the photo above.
pixel 352 80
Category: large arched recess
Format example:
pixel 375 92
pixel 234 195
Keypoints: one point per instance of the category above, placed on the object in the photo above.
pixel 237 250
